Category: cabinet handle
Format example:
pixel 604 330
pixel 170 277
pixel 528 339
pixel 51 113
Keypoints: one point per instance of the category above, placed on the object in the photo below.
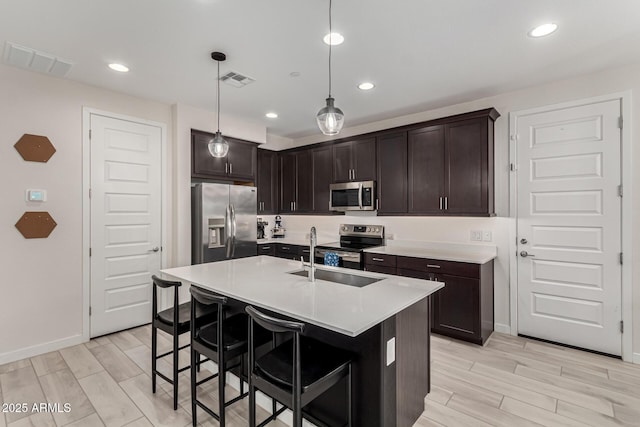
pixel 285 248
pixel 306 250
pixel 377 204
pixel 377 259
pixel 354 174
pixel 291 206
pixel 230 167
pixel 441 203
pixel 266 248
pixel 433 266
pixel 446 203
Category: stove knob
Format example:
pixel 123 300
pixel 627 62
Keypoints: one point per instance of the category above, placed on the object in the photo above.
pixel 344 228
pixel 368 229
pixel 375 230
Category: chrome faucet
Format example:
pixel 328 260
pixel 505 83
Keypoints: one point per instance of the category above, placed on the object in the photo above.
pixel 313 241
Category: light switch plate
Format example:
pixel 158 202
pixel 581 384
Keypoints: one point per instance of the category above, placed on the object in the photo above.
pixel 36 195
pixel 391 351
pixel 486 235
pixel 476 235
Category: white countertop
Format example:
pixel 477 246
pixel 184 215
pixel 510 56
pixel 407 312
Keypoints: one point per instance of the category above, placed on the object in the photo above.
pixel 263 281
pixel 444 251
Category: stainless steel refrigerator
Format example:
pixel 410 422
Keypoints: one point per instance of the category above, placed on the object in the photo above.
pixel 223 222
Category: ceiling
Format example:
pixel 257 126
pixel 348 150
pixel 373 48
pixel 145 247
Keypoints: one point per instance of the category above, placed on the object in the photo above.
pixel 421 54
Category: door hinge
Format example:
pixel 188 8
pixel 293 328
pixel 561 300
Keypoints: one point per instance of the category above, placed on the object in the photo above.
pixel 89 133
pixel 89 251
pixel 89 193
pixel 89 310
pixel 512 167
pixel 621 259
pixel 621 327
pixel 620 122
pixel 620 190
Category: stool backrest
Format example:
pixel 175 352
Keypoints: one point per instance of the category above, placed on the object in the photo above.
pixel 274 324
pixel 205 297
pixel 158 282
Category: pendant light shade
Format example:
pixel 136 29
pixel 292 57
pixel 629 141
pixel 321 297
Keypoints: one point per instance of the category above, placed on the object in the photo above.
pixel 218 146
pixel 330 118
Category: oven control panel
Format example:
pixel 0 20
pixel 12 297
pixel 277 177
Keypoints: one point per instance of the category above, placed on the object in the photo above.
pixel 362 230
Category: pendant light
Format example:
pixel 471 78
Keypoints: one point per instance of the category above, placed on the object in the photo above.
pixel 330 118
pixel 218 147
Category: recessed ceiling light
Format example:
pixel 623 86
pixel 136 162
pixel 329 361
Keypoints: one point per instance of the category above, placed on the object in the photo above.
pixel 366 86
pixel 272 115
pixel 333 39
pixel 119 67
pixel 543 30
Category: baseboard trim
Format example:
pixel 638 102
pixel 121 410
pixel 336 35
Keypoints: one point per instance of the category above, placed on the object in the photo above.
pixel 502 328
pixel 39 349
pixel 636 358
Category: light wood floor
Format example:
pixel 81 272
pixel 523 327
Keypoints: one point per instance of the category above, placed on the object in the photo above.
pixel 509 382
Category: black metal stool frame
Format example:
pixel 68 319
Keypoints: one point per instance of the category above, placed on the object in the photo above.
pixel 295 396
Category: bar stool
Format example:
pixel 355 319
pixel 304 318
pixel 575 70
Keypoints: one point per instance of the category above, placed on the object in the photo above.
pixel 295 372
pixel 175 323
pixel 232 334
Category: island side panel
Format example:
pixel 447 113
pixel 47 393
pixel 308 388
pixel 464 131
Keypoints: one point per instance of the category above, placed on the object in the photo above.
pixel 486 300
pixel 412 361
pixel 388 374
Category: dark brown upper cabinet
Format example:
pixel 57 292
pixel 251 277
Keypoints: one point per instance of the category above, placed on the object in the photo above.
pixel 296 182
pixel 355 160
pixel 392 173
pixel 267 182
pixel 288 162
pixel 322 178
pixel 239 164
pixel 451 166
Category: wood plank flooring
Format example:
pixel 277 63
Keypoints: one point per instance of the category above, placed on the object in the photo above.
pixel 511 381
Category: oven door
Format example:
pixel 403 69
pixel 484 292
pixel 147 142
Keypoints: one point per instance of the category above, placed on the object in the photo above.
pixel 346 259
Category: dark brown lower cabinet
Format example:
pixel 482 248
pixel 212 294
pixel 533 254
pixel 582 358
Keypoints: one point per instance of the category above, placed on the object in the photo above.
pixel 267 249
pixel 463 309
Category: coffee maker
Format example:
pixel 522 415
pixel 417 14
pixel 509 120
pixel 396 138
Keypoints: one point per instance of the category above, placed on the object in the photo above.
pixel 261 225
pixel 278 230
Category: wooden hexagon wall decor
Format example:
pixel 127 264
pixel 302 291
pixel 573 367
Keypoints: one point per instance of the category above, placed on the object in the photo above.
pixel 35 148
pixel 35 225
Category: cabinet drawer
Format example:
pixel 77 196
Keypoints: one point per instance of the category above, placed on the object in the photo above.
pixel 380 260
pixel 462 269
pixel 288 251
pixel 374 268
pixel 267 249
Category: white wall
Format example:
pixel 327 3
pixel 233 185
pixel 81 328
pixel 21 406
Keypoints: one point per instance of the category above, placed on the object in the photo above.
pixel 41 303
pixel 456 229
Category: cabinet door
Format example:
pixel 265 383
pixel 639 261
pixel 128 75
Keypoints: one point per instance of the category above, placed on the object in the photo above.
pixel 342 162
pixel 426 170
pixel 288 251
pixel 267 249
pixel 363 160
pixel 468 167
pixel 267 178
pixel 287 182
pixel 242 159
pixel 203 164
pixel 456 307
pixel 392 173
pixel 304 182
pixel 322 178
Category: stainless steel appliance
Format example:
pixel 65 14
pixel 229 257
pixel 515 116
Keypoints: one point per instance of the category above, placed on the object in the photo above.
pixel 353 240
pixel 352 196
pixel 223 221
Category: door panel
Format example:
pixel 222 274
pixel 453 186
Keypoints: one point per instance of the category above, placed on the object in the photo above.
pixel 342 162
pixel 322 178
pixel 125 222
pixel 569 215
pixel 243 201
pixel 392 173
pixel 364 160
pixel 304 181
pixel 426 170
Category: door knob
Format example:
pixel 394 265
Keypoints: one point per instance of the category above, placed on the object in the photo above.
pixel 156 249
pixel 525 254
pixel 524 241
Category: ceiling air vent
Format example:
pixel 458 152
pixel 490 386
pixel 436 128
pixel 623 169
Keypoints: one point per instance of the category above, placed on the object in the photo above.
pixel 236 79
pixel 34 60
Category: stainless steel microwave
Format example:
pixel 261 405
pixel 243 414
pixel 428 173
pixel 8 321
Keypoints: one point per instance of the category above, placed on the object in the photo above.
pixel 352 196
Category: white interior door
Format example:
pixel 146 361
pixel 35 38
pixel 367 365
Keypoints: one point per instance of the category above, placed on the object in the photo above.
pixel 125 221
pixel 569 226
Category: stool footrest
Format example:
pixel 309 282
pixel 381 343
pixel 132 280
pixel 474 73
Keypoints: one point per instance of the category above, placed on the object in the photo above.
pixel 210 377
pixel 272 417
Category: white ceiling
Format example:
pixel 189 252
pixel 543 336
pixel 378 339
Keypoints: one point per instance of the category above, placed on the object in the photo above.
pixel 421 54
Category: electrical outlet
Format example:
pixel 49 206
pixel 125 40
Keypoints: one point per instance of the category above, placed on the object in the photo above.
pixel 476 235
pixel 390 236
pixel 486 235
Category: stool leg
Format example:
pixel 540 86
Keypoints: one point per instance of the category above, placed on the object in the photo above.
pixel 221 383
pixel 252 404
pixel 349 399
pixel 195 356
pixel 176 345
pixel 154 352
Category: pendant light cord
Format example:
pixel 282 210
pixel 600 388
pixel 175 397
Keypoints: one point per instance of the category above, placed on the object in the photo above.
pixel 330 43
pixel 218 96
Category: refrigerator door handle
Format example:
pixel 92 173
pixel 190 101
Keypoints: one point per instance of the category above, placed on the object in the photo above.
pixel 233 230
pixel 227 232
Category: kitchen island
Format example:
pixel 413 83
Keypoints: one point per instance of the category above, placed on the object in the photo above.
pixel 385 324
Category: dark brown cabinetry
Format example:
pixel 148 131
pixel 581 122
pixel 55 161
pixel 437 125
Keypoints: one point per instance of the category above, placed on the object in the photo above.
pixel 293 252
pixel 322 177
pixel 391 151
pixel 239 164
pixel 355 160
pixel 296 182
pixel 267 249
pixel 463 309
pixel 451 166
pixel 288 177
pixel 267 182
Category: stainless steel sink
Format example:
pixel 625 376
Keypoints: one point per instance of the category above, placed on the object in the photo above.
pixel 339 277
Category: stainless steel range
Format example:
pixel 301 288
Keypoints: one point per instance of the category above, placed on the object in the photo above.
pixel 353 240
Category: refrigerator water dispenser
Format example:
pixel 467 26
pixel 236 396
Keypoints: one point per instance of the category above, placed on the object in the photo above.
pixel 216 232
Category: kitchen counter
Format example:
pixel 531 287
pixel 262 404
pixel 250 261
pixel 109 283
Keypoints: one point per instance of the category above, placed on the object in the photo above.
pixel 264 281
pixel 474 254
